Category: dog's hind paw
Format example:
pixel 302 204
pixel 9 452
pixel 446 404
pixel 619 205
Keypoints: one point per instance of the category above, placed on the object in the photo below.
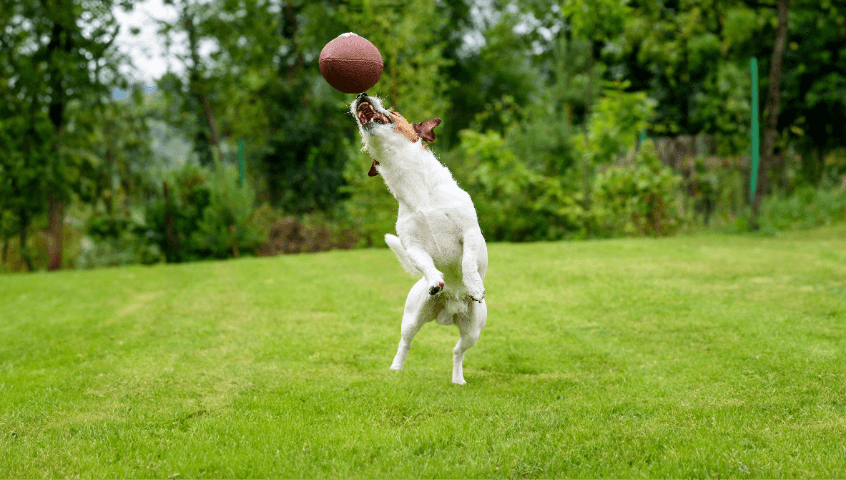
pixel 437 287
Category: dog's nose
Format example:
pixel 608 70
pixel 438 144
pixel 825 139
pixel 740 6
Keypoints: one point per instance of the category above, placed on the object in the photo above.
pixel 361 95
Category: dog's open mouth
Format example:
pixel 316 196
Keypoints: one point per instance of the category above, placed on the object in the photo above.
pixel 366 113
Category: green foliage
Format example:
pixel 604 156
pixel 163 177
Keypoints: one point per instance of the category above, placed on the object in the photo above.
pixel 304 157
pixel 615 124
pixel 813 108
pixel 182 198
pixel 371 208
pixel 411 49
pixel 595 19
pixel 118 252
pixel 807 207
pixel 210 215
pixel 722 106
pixel 638 199
pixel 513 202
pixel 490 86
pixel 114 240
pixel 225 221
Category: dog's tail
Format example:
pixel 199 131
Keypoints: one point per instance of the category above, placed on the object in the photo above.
pixel 395 245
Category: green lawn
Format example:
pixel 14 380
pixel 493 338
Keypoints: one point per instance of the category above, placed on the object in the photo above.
pixel 700 356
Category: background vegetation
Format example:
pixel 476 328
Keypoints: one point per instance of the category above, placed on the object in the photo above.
pixel 563 119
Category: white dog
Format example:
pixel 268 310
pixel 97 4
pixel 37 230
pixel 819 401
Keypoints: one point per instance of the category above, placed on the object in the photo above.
pixel 439 234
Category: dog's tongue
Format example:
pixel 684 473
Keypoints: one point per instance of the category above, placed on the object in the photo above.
pixel 373 172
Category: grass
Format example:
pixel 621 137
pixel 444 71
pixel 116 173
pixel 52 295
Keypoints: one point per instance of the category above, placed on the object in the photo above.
pixel 698 356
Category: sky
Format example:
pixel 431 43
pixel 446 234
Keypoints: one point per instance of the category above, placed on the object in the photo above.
pixel 146 50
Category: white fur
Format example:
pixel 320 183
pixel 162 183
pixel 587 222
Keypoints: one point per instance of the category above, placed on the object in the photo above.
pixel 439 238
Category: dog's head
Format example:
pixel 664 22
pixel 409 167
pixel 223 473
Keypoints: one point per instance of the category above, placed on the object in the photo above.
pixel 388 127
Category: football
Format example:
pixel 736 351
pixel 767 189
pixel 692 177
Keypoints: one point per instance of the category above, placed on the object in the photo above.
pixel 351 63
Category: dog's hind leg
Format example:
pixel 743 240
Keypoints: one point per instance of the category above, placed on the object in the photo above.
pixel 419 308
pixel 469 327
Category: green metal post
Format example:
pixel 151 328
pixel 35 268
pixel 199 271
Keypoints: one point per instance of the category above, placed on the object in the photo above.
pixel 240 163
pixel 753 178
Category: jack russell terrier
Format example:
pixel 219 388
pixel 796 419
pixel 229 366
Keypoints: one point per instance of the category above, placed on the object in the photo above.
pixel 439 234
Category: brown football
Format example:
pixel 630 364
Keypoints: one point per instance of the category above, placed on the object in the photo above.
pixel 351 63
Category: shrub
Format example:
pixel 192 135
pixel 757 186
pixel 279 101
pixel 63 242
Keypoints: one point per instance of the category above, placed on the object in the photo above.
pixel 314 233
pixel 209 214
pixel 513 202
pixel 638 199
pixel 115 240
pixel 615 124
pixel 807 207
pixel 176 210
pixel 223 229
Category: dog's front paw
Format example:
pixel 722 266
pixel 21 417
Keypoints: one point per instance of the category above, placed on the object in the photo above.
pixel 475 289
pixel 478 297
pixel 436 287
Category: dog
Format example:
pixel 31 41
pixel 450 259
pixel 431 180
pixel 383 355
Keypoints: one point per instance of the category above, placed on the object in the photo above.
pixel 438 235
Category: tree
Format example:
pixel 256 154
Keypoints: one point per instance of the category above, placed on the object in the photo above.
pixel 47 59
pixel 813 109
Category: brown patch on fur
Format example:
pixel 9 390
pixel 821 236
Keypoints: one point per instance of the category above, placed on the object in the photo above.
pixel 404 128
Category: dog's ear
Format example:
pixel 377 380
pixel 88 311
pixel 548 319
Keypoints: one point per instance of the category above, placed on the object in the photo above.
pixel 373 172
pixel 426 129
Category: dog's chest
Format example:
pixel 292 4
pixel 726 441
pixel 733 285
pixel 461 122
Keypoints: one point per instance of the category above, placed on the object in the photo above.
pixel 435 231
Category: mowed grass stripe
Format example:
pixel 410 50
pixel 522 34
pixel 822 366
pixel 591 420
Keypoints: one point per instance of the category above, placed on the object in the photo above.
pixel 697 356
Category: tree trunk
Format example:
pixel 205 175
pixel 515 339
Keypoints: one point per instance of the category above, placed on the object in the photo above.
pixel 215 139
pixel 61 43
pixel 195 77
pixel 55 243
pixel 772 108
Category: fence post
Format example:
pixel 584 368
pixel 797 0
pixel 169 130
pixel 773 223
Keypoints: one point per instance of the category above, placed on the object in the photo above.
pixel 753 177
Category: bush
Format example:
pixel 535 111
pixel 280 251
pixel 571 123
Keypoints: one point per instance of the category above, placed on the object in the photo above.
pixel 638 199
pixel 615 124
pixel 286 234
pixel 115 240
pixel 514 202
pixel 209 214
pixel 224 229
pixel 183 198
pixel 807 207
